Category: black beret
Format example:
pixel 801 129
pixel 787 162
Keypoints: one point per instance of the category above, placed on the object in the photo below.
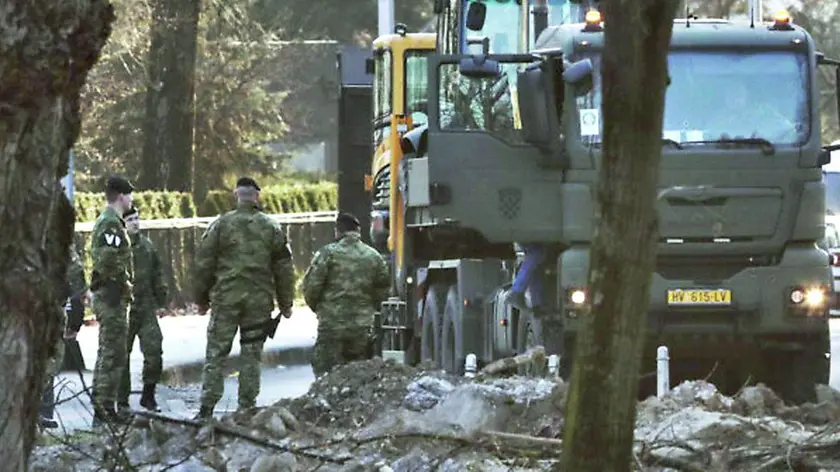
pixel 119 185
pixel 347 220
pixel 247 182
pixel 131 211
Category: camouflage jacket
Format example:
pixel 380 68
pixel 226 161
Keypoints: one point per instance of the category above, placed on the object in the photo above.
pixel 150 289
pixel 111 254
pixel 346 282
pixel 244 254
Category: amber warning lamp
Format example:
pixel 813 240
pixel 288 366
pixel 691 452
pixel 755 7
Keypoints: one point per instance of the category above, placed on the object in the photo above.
pixel 593 20
pixel 781 21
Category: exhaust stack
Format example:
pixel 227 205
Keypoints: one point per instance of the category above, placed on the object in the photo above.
pixel 386 17
pixel 755 12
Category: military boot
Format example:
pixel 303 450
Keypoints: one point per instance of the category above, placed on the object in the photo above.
pixel 102 415
pixel 47 409
pixel 516 300
pixel 147 400
pixel 123 416
pixel 204 413
pixel 107 414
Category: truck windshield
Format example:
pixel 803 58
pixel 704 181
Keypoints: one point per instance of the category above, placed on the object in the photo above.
pixel 722 95
pixel 501 24
pixel 479 104
pixel 417 85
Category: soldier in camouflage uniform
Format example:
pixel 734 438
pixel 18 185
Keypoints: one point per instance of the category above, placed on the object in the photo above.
pixel 76 287
pixel 150 296
pixel 243 261
pixel 111 283
pixel 344 285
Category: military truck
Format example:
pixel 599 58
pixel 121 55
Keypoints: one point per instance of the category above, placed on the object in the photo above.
pixel 511 154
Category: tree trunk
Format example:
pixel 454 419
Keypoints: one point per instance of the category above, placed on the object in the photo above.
pixel 46 51
pixel 168 127
pixel 601 409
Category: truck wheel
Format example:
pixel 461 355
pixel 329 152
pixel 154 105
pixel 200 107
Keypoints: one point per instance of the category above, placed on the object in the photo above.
pixel 797 373
pixel 412 353
pixel 430 333
pixel 529 333
pixel 452 340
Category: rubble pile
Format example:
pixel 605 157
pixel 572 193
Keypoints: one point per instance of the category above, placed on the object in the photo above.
pixel 382 416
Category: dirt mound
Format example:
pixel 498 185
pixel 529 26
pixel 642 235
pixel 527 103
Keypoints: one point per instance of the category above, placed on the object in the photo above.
pixel 353 394
pixel 384 416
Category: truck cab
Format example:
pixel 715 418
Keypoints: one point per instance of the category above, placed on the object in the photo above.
pixel 512 152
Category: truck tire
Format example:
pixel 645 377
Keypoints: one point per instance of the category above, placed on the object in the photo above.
pixel 412 353
pixel 529 333
pixel 452 334
pixel 432 319
pixel 797 373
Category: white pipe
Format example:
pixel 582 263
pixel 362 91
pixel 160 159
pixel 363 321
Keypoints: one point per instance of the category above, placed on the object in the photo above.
pixel 386 17
pixel 524 27
pixel 663 381
pixel 553 365
pixel 470 366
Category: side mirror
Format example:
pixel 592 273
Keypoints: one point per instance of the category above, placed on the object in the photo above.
pixel 824 157
pixel 538 112
pixel 824 61
pixel 479 67
pixel 476 14
pixel 415 141
pixel 825 154
pixel 579 75
pixel 578 71
pixel 370 67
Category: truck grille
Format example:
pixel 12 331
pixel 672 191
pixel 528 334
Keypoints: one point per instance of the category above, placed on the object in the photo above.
pixel 382 189
pixel 713 269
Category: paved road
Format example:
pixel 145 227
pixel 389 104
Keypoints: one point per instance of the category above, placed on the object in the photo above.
pixel 184 342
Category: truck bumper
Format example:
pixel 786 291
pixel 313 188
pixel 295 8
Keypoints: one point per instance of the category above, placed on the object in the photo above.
pixel 791 295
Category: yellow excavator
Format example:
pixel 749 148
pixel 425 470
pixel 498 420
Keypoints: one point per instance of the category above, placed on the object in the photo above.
pixel 400 96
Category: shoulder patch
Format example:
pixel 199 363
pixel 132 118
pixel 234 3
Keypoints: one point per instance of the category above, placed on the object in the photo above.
pixel 112 239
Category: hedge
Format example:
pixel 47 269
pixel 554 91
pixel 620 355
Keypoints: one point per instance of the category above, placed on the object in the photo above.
pixel 299 198
pixel 321 196
pixel 153 205
pixel 176 247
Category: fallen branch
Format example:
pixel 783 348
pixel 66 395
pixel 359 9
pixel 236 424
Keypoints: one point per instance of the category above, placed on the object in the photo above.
pixel 648 457
pixel 493 441
pixel 533 356
pixel 673 463
pixel 241 433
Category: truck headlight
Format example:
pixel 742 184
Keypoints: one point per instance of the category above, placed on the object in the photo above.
pixel 577 296
pixel 811 299
pixel 815 297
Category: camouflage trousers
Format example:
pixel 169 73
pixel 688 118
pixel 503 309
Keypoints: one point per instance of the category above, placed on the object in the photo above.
pixel 247 316
pixel 53 366
pixel 337 347
pixel 54 363
pixel 111 355
pixel 142 324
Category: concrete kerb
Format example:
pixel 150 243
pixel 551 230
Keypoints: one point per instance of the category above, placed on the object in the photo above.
pixel 190 373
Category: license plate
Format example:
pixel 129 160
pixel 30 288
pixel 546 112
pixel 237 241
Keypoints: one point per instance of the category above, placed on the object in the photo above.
pixel 718 297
